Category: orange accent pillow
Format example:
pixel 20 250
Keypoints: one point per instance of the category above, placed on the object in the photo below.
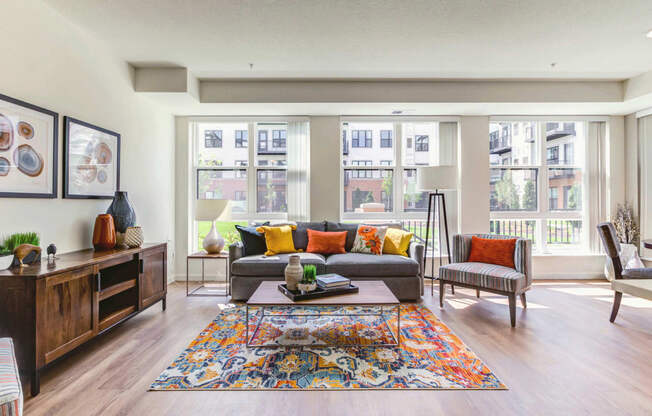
pixel 487 250
pixel 324 242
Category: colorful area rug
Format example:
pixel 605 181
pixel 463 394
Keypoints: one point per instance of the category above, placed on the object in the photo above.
pixel 430 356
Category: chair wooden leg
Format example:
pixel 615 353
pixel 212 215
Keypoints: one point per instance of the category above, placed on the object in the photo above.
pixel 523 300
pixel 614 311
pixel 452 289
pixel 441 293
pixel 477 293
pixel 512 309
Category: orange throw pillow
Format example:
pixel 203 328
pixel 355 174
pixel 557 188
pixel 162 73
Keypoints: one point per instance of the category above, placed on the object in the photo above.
pixel 487 250
pixel 324 242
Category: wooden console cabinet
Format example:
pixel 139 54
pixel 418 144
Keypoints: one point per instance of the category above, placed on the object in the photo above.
pixel 51 309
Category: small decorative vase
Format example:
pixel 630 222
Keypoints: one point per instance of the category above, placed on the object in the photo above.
pixel 293 272
pixel 307 287
pixel 213 242
pixel 104 232
pixel 123 215
pixel 134 237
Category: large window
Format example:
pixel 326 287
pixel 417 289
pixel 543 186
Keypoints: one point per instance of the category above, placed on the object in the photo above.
pixel 255 180
pixel 538 182
pixel 379 178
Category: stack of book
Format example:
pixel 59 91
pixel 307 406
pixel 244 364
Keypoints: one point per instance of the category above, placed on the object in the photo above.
pixel 332 281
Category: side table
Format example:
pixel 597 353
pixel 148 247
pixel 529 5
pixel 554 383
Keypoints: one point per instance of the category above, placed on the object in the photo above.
pixel 203 256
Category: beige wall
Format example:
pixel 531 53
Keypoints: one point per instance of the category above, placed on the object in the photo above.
pixel 50 63
pixel 324 165
pixel 474 175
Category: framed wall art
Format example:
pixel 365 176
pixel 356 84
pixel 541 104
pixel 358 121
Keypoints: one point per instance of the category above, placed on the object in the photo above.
pixel 92 161
pixel 28 150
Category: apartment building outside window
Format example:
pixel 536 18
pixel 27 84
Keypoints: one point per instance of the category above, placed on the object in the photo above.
pixel 213 138
pixel 241 138
pixel 421 143
pixel 385 138
pixel 535 191
pixel 361 138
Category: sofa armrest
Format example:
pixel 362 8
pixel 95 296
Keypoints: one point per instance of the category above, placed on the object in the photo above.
pixel 417 252
pixel 236 250
pixel 523 259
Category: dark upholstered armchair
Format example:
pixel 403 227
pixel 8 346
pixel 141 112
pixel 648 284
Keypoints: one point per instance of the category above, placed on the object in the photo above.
pixel 635 282
pixel 489 277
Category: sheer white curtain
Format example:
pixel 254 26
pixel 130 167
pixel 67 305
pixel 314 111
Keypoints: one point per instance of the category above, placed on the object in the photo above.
pixel 645 179
pixel 298 196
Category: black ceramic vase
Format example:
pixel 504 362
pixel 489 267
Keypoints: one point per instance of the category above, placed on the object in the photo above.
pixel 122 212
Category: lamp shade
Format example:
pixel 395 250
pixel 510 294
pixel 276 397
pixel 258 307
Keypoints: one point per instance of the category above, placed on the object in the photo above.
pixel 436 177
pixel 212 210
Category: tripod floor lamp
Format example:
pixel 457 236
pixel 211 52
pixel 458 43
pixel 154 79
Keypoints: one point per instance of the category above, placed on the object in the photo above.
pixel 434 179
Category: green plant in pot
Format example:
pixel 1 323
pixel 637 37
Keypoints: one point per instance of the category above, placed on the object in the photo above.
pixel 10 243
pixel 309 281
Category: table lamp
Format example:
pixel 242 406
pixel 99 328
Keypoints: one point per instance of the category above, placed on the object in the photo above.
pixel 434 179
pixel 213 210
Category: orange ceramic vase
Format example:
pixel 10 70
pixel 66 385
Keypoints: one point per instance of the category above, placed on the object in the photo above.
pixel 104 232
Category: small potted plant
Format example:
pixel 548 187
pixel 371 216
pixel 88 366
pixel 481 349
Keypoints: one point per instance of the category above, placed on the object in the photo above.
pixel 309 281
pixel 9 244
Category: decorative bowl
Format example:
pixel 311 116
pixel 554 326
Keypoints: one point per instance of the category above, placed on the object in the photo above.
pixel 307 287
pixel 5 261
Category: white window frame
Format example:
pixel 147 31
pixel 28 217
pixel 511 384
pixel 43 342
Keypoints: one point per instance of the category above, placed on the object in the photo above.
pixel 397 167
pixel 543 213
pixel 251 168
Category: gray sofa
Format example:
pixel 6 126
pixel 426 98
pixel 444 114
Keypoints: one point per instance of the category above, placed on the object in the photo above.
pixel 403 275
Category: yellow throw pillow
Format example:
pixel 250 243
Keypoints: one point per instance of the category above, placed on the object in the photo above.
pixel 278 239
pixel 397 242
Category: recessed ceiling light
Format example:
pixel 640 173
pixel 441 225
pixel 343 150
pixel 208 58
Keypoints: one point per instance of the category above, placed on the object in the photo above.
pixel 649 34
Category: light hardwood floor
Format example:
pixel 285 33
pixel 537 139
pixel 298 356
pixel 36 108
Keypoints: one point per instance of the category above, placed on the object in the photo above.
pixel 563 358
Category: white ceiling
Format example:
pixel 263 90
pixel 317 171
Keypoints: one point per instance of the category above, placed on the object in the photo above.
pixel 590 39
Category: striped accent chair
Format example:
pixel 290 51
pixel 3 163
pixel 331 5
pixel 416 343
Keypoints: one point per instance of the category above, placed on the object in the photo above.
pixel 489 277
pixel 11 392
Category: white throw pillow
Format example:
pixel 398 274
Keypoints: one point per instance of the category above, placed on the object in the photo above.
pixel 629 259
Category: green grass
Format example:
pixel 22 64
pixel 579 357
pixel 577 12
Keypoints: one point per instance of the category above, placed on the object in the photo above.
pixel 10 243
pixel 226 229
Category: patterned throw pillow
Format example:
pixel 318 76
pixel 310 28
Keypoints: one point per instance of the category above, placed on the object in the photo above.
pixel 369 240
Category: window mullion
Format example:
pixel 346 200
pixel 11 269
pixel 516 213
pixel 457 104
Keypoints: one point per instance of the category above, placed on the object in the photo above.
pixel 543 187
pixel 252 173
pixel 398 170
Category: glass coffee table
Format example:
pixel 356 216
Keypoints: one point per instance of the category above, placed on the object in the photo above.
pixel 374 299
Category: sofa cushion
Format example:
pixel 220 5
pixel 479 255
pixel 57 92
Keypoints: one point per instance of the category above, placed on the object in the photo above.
pixel 274 265
pixel 637 273
pixel 368 265
pixel 300 235
pixel 490 276
pixel 351 230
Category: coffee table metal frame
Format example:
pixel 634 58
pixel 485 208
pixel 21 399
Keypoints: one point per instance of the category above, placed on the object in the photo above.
pixel 396 338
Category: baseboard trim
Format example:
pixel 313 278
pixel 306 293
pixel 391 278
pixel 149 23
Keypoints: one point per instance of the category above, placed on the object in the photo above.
pixel 569 276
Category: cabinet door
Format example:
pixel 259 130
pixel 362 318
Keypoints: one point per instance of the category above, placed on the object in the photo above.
pixel 70 317
pixel 153 277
